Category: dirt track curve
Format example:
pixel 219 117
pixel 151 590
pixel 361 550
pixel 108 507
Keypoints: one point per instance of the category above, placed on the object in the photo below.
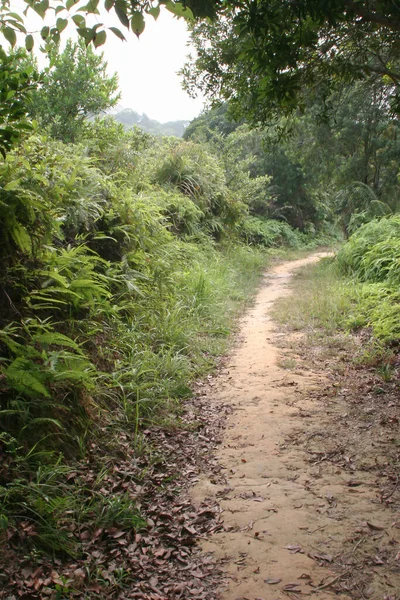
pixel 272 519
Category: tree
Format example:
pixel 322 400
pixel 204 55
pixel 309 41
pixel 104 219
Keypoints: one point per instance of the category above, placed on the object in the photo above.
pixel 262 55
pixel 84 16
pixel 259 54
pixel 263 172
pixel 16 83
pixel 74 87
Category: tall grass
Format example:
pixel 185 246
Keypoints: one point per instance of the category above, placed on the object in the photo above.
pixel 320 302
pixel 372 257
pixel 113 301
pixel 356 291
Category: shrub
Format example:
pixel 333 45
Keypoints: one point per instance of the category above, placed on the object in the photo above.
pixel 350 258
pixel 268 233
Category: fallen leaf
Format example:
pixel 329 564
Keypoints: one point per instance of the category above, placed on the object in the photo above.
pixel 321 556
pixel 79 574
pixel 271 581
pixel 374 527
pixel 294 587
pixel 294 548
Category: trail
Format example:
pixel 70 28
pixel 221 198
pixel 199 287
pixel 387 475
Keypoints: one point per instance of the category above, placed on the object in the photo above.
pixel 273 518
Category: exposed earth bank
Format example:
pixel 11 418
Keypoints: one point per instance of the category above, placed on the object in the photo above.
pixel 303 514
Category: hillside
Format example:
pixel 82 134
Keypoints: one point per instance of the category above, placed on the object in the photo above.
pixel 129 118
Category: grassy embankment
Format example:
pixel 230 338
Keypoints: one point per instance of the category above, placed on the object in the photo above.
pixel 356 292
pixel 120 282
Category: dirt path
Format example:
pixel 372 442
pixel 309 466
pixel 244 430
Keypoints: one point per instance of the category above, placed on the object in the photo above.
pixel 280 529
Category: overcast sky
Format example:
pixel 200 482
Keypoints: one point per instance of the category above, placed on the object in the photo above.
pixel 147 67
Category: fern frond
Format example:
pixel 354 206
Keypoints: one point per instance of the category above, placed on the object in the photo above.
pixel 20 375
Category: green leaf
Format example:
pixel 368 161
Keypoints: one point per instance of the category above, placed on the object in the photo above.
pixel 17 26
pixel 41 7
pixel 108 4
pixel 29 42
pixel 3 522
pixel 59 9
pixel 45 32
pixel 61 24
pixel 21 237
pixel 137 23
pixel 79 20
pixel 12 185
pixel 56 339
pixel 55 36
pixel 88 33
pixel 92 6
pixel 54 276
pixel 99 38
pixel 15 16
pixel 120 10
pixel 10 35
pixel 70 3
pixel 154 12
pixel 43 420
pixel 118 33
pixel 20 376
pixel 177 8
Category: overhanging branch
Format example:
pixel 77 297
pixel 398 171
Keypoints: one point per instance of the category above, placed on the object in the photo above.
pixel 372 17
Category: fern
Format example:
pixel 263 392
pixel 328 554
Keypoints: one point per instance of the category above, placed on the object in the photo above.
pixel 22 375
pixel 55 339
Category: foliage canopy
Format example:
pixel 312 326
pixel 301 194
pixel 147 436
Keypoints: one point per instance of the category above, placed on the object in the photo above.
pixel 74 87
pixel 263 55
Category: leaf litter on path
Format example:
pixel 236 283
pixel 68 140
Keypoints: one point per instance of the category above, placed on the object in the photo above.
pixel 161 559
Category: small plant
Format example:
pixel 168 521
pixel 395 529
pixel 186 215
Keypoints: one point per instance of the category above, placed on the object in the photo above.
pixel 287 363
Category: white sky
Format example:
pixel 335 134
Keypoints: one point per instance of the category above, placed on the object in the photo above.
pixel 147 67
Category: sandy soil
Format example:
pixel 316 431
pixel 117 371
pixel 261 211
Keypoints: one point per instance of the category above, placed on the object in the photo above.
pixel 283 525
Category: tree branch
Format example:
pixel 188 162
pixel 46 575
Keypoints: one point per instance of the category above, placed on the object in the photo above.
pixel 372 17
pixel 395 77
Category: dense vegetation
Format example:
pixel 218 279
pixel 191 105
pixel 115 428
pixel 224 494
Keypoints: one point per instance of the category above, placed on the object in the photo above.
pixel 266 57
pixel 314 170
pixel 108 310
pixel 125 257
pixel 371 258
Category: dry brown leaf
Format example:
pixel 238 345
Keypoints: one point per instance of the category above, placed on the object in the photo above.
pixel 374 527
pixel 294 548
pixel 293 587
pixel 321 556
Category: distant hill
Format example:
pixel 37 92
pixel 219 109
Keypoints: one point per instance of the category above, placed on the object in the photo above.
pixel 129 118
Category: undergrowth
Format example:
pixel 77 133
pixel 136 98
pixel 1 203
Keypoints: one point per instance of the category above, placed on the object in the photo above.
pixel 321 300
pixel 356 292
pixel 115 296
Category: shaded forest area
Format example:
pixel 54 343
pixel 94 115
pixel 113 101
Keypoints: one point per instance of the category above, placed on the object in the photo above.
pixel 125 259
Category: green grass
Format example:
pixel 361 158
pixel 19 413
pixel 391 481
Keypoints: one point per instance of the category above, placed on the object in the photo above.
pixel 173 338
pixel 329 307
pixel 372 258
pixel 320 302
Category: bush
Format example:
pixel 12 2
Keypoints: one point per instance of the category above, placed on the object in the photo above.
pixel 351 257
pixel 108 313
pixel 372 256
pixel 268 233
